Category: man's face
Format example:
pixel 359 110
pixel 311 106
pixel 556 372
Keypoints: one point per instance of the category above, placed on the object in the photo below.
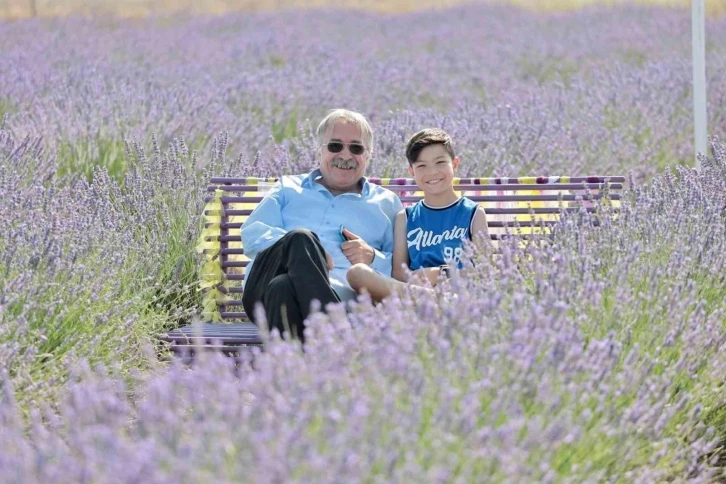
pixel 342 171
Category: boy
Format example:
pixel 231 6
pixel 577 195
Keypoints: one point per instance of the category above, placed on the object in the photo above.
pixel 430 234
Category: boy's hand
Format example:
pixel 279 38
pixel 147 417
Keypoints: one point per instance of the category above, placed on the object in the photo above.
pixel 356 249
pixel 431 274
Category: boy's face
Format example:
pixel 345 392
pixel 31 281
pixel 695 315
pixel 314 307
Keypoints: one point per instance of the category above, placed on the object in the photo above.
pixel 433 170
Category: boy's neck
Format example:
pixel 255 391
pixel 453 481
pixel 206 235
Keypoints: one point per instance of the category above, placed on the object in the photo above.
pixel 441 199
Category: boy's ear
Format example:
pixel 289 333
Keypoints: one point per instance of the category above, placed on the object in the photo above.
pixel 410 170
pixel 455 162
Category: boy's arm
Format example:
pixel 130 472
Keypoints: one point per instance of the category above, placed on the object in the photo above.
pixel 382 259
pixel 264 226
pixel 400 247
pixel 479 226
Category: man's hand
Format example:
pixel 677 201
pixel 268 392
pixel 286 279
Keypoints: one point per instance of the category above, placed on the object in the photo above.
pixel 329 260
pixel 356 249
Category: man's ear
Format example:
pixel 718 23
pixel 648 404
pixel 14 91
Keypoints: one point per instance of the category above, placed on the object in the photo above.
pixel 455 162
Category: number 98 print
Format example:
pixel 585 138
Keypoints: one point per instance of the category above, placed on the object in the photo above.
pixel 451 253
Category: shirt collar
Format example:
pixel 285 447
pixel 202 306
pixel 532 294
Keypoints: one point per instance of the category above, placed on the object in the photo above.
pixel 310 181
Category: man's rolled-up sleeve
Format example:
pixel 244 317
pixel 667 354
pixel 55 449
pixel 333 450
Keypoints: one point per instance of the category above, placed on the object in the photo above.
pixel 264 226
pixel 382 261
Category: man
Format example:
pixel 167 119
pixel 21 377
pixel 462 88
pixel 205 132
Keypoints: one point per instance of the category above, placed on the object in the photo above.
pixel 309 229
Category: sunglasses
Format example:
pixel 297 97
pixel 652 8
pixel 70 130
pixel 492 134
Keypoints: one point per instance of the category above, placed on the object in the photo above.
pixel 337 147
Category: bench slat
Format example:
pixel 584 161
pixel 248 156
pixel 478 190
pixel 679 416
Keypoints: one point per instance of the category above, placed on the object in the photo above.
pixel 230 302
pixel 212 329
pixel 245 333
pixel 251 339
pixel 541 180
pixel 475 198
pixel 490 223
pixel 459 188
pixel 187 352
pixel 493 211
pixel 233 315
pixel 238 238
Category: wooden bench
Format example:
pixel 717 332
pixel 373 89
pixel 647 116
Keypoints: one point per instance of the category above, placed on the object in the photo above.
pixel 523 207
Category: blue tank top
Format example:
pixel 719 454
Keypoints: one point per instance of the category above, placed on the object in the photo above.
pixel 435 235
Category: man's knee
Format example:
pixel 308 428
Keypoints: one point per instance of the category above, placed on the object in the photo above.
pixel 301 236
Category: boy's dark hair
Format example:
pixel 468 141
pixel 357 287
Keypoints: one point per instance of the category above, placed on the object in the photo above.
pixel 427 137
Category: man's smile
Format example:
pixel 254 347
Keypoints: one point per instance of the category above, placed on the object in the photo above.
pixel 343 164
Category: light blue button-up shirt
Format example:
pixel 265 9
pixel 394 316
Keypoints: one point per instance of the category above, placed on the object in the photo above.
pixel 300 202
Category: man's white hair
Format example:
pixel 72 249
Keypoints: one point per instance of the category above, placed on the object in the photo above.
pixel 347 116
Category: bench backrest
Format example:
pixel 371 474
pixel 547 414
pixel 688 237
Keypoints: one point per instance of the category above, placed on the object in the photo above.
pixel 521 207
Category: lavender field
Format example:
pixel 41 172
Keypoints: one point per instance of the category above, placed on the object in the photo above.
pixel 598 356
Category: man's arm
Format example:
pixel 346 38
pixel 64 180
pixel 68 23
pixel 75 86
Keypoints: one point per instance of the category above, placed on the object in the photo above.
pixel 264 226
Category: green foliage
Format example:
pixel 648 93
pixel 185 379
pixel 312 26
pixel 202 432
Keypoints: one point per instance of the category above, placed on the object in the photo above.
pixel 547 69
pixel 6 108
pixel 277 61
pixel 285 128
pixel 81 157
pixel 102 323
pixel 634 56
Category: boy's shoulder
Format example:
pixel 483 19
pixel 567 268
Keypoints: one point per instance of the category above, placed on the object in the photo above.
pixel 469 203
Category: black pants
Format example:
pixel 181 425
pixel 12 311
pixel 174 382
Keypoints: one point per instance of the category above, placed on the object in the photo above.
pixel 286 278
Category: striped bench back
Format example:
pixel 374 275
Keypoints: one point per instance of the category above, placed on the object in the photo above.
pixel 522 206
